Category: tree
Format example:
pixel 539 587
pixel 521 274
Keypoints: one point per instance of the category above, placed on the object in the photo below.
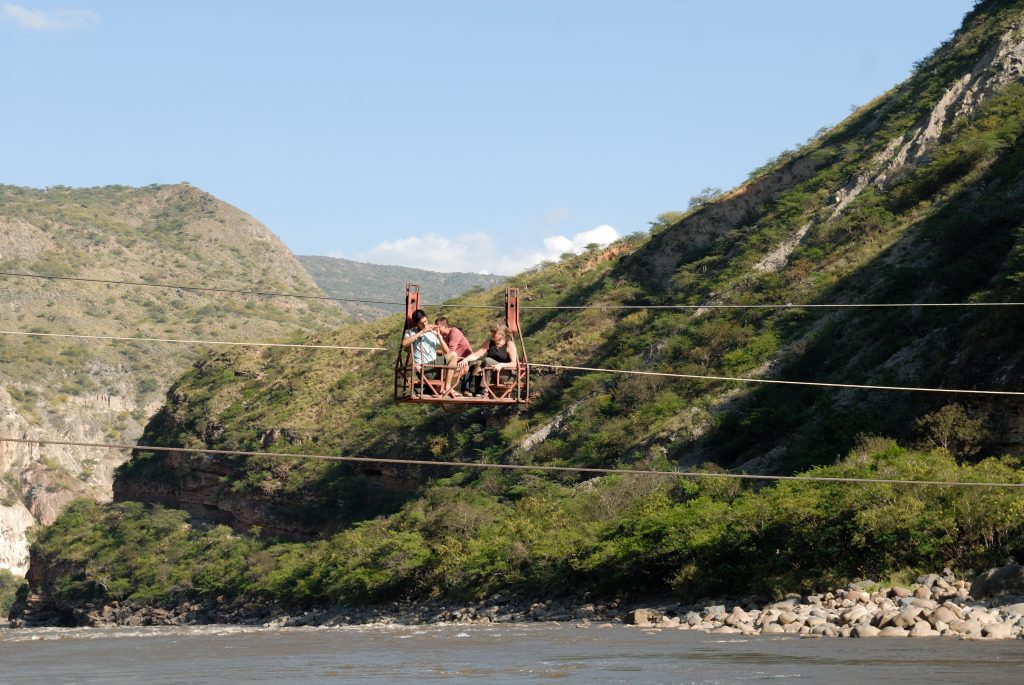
pixel 952 429
pixel 705 196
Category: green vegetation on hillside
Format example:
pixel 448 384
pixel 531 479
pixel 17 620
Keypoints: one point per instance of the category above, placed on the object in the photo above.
pixel 355 280
pixel 477 533
pixel 9 586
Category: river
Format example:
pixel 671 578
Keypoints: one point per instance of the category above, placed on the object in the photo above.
pixel 527 653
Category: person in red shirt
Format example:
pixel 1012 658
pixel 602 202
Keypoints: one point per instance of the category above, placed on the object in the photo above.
pixel 458 344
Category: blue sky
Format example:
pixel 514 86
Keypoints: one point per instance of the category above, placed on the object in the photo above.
pixel 474 136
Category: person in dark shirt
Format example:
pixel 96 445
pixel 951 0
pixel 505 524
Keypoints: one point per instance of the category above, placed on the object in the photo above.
pixel 499 352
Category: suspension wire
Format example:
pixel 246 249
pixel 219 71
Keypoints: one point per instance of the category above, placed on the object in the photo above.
pixel 171 286
pixel 455 305
pixel 788 305
pixel 42 442
pixel 557 367
pixel 1010 393
pixel 195 342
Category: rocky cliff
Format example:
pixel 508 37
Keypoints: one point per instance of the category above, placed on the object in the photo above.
pixel 95 391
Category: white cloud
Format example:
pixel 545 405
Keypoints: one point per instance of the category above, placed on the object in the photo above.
pixel 52 20
pixel 479 252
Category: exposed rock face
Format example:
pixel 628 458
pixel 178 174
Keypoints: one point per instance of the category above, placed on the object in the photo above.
pixel 202 486
pixel 655 262
pixel 15 520
pixel 1005 580
pixel 38 481
pixel 101 393
pixel 1002 64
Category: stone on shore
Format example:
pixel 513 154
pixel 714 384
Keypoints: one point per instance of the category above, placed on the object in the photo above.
pixel 864 630
pixel 1005 580
pixel 641 617
pixel 922 629
pixel 998 631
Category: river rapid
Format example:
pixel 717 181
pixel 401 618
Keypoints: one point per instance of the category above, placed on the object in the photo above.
pixel 564 652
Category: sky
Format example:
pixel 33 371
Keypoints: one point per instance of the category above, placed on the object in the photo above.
pixel 483 136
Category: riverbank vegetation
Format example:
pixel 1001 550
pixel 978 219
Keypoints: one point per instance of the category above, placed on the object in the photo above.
pixel 483 532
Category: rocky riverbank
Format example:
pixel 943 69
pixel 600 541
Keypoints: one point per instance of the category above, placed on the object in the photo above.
pixel 936 605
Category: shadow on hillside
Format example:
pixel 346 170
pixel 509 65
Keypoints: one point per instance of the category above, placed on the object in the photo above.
pixel 962 249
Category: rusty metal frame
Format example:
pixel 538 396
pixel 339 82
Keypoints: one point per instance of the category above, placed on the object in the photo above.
pixel 412 387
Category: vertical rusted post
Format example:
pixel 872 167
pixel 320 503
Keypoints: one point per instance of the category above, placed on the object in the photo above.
pixel 412 303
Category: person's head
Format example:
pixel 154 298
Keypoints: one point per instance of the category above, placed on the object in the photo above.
pixel 499 332
pixel 443 326
pixel 419 319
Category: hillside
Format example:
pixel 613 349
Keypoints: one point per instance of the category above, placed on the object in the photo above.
pixel 355 280
pixel 98 391
pixel 918 197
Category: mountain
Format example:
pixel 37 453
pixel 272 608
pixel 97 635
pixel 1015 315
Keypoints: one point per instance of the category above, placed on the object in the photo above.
pixel 344 278
pixel 100 391
pixel 917 198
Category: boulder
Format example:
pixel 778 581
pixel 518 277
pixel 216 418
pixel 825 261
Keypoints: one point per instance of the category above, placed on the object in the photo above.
pixel 786 617
pixel 1004 580
pixel 883 619
pixel 942 614
pixel 965 627
pixel 772 629
pixel 955 609
pixel 923 629
pixel 998 631
pixel 854 615
pixel 983 617
pixel 906 618
pixel 864 630
pixel 737 617
pixel 641 617
pixel 893 631
pixel 717 611
pixel 901 592
pixel 1016 609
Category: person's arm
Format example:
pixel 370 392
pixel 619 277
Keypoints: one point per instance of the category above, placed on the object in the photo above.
pixel 412 337
pixel 513 356
pixel 474 356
